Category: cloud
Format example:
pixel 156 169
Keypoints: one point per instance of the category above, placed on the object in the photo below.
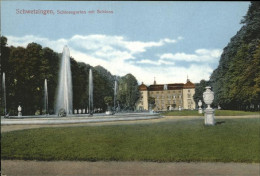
pixel 159 62
pixel 200 55
pixel 56 45
pixel 121 55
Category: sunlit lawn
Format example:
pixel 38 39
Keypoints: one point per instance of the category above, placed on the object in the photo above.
pixel 217 113
pixel 233 140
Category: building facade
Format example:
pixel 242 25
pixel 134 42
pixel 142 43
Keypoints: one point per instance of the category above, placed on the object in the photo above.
pixel 167 96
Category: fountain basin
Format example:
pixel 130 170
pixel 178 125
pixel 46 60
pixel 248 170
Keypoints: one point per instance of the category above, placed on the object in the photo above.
pixel 53 119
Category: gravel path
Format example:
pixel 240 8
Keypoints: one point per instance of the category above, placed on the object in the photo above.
pixel 73 168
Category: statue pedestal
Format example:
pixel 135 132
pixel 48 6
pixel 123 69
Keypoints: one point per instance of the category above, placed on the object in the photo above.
pixel 209 117
pixel 19 114
pixel 200 111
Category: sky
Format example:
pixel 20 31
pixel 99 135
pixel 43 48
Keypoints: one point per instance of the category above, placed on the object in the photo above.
pixel 166 41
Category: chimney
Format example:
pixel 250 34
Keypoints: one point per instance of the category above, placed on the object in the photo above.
pixel 188 78
pixel 154 82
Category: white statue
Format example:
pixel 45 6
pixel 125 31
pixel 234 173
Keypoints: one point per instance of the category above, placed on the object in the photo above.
pixel 200 104
pixel 19 111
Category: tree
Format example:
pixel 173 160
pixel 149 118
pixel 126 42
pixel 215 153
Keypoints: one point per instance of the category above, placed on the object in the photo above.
pixel 108 100
pixel 236 80
pixel 199 89
pixel 151 102
pixel 128 92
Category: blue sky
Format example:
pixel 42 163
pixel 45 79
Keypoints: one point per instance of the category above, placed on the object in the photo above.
pixel 165 40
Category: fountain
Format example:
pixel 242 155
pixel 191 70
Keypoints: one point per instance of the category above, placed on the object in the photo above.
pixel 45 97
pixel 4 94
pixel 115 93
pixel 64 98
pixel 90 92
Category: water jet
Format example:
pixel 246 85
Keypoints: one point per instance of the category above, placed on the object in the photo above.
pixel 64 94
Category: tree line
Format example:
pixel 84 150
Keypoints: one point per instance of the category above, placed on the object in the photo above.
pixel 236 81
pixel 27 68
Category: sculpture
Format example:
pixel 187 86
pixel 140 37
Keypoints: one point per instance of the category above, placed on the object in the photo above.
pixel 208 97
pixel 62 113
pixel 200 104
pixel 19 111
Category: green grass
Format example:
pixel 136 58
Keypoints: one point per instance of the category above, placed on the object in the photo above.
pixel 234 113
pixel 235 140
pixel 217 113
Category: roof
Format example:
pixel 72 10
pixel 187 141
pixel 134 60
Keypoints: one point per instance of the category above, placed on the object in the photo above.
pixel 159 87
pixel 143 87
pixel 173 86
pixel 189 85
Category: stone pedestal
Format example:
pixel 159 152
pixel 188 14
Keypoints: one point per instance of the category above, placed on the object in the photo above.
pixel 200 111
pixel 19 114
pixel 209 117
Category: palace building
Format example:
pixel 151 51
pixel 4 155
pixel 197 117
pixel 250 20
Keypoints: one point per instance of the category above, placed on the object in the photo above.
pixel 167 96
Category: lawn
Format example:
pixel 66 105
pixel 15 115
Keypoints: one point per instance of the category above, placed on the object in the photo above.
pixel 217 113
pixel 233 140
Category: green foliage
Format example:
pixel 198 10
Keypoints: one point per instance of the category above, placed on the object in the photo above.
pixel 199 89
pixel 30 66
pixel 108 100
pixel 103 86
pixel 151 100
pixel 128 92
pixel 235 140
pixel 236 80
